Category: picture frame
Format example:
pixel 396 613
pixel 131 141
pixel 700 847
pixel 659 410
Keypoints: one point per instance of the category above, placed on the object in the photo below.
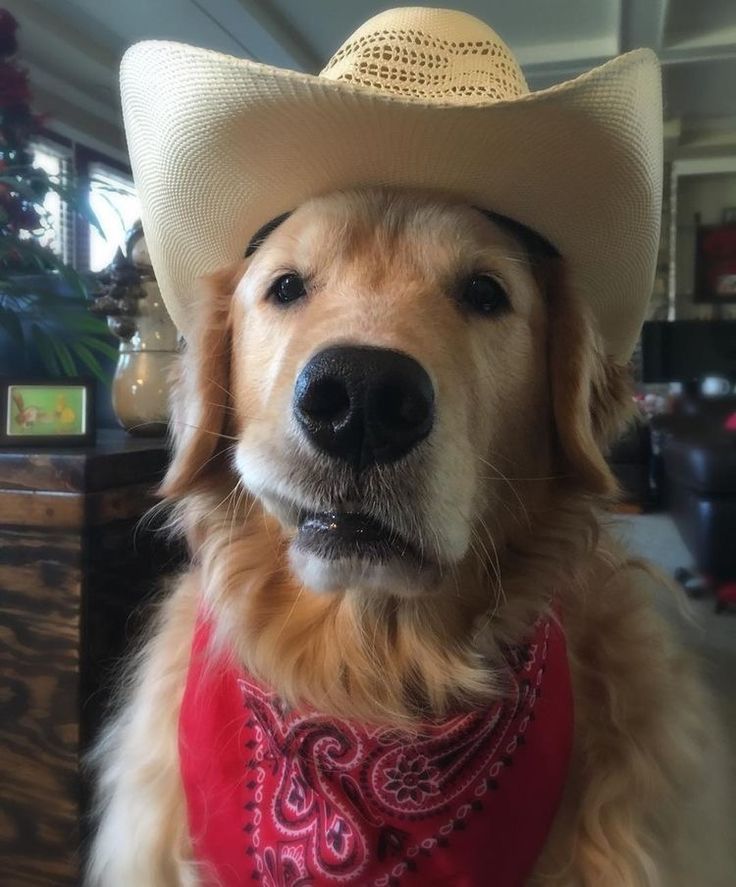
pixel 715 264
pixel 43 413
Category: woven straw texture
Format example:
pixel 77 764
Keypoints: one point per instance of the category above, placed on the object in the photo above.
pixel 415 98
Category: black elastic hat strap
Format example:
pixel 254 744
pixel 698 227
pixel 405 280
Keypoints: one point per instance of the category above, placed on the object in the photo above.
pixel 537 246
pixel 263 232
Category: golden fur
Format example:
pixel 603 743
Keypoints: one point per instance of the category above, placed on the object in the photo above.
pixel 508 501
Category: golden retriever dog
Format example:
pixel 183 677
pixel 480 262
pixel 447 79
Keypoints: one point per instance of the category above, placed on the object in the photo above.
pixel 390 428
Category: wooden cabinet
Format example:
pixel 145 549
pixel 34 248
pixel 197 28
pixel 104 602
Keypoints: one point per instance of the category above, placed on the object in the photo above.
pixel 77 565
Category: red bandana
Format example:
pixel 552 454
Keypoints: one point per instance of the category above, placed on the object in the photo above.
pixel 299 799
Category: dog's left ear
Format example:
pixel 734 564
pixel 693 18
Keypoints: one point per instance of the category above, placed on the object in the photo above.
pixel 200 398
pixel 591 394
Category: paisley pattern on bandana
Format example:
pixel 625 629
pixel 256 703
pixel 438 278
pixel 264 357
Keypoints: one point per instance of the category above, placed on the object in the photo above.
pixel 322 800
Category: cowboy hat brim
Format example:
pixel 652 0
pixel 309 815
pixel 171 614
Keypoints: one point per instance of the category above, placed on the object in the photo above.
pixel 221 145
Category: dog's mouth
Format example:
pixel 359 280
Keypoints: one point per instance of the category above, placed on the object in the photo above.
pixel 332 535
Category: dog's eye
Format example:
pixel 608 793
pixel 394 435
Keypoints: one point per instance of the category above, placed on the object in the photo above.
pixel 485 295
pixel 288 288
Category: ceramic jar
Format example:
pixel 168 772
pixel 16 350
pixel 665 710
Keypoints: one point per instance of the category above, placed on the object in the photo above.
pixel 149 341
pixel 140 386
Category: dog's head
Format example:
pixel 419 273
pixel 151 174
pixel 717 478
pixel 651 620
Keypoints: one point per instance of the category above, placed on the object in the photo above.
pixel 399 380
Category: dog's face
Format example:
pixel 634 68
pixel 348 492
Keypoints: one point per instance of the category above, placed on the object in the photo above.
pixel 399 382
pixel 388 365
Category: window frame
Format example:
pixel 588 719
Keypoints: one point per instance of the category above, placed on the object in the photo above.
pixel 54 143
pixel 80 159
pixel 84 159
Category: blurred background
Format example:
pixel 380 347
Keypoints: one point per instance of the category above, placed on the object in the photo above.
pixel 79 305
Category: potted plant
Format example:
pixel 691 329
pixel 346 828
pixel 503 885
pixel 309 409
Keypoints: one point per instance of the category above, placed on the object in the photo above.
pixel 45 325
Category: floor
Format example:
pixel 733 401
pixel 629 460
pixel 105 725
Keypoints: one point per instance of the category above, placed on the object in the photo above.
pixel 655 537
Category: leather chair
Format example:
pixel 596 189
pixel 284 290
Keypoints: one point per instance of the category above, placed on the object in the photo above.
pixel 697 465
pixel 630 462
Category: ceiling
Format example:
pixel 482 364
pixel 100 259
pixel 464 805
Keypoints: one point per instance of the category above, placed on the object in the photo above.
pixel 73 47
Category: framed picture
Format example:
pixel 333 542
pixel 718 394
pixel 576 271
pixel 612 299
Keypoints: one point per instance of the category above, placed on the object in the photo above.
pixel 715 263
pixel 36 413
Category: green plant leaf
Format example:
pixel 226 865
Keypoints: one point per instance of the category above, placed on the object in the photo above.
pixel 32 174
pixel 45 349
pixel 90 215
pixel 16 169
pixel 84 322
pixel 24 181
pixel 74 281
pixel 10 322
pixel 25 250
pixel 76 197
pixel 64 356
pixel 82 352
pixel 18 185
pixel 101 346
pixel 14 297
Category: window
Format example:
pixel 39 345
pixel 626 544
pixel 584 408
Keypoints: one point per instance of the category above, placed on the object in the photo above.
pixel 112 198
pixel 58 227
pixel 114 202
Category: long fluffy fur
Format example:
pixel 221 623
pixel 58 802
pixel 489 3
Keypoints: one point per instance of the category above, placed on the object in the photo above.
pixel 641 807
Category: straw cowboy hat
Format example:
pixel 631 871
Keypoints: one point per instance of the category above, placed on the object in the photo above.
pixel 415 97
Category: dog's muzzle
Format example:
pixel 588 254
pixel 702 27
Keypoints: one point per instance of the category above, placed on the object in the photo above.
pixel 363 405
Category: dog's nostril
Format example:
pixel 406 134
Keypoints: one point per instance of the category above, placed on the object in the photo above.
pixel 401 408
pixel 325 400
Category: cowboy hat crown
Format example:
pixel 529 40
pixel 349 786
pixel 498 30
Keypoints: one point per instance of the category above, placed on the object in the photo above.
pixel 415 98
pixel 436 55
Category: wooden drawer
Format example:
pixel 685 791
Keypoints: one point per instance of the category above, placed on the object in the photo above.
pixel 75 572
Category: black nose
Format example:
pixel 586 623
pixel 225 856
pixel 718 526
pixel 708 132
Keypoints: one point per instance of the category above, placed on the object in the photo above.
pixel 364 405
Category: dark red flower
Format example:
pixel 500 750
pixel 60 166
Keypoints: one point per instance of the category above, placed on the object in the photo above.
pixel 19 214
pixel 26 217
pixel 14 88
pixel 8 27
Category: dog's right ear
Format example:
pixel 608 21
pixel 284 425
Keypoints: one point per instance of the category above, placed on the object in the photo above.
pixel 200 401
pixel 592 396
